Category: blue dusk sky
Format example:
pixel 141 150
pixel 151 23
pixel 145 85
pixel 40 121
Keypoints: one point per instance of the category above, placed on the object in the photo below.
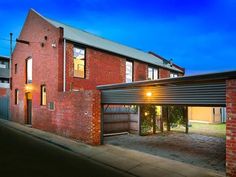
pixel 198 35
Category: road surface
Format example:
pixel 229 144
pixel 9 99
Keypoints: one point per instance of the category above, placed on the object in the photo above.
pixel 22 155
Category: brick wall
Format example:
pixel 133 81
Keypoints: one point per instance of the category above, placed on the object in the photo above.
pixel 41 35
pixel 101 68
pixel 76 115
pixel 231 128
pixel 164 73
pixel 140 71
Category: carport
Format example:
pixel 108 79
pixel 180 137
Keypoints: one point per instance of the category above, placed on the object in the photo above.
pixel 214 89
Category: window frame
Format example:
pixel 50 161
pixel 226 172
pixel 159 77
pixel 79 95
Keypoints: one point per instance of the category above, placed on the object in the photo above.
pixel 85 60
pixel 16 96
pixel 132 62
pixel 173 74
pixel 16 68
pixel 153 68
pixel 29 81
pixel 41 95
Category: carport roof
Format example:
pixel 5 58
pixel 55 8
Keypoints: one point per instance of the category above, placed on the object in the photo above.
pixel 209 77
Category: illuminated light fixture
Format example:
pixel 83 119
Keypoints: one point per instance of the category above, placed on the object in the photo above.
pixel 146 113
pixel 28 87
pixel 149 94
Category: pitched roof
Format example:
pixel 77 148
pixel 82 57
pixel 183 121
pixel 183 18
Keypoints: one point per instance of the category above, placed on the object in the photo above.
pixel 83 37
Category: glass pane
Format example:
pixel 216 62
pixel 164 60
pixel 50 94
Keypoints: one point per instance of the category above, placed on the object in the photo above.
pixel 129 71
pixel 155 74
pixel 29 70
pixel 150 75
pixel 79 62
pixel 43 95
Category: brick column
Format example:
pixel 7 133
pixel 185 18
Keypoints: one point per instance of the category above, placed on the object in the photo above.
pixel 96 120
pixel 231 128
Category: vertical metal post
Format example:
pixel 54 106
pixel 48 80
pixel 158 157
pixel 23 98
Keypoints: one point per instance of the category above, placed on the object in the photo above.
pixel 168 118
pixel 186 118
pixel 140 121
pixel 161 120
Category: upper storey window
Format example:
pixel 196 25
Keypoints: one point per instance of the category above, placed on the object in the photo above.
pixel 173 75
pixel 79 62
pixel 129 72
pixel 152 73
pixel 29 71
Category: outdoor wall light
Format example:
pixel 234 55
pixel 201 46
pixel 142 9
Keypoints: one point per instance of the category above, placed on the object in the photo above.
pixel 149 94
pixel 28 88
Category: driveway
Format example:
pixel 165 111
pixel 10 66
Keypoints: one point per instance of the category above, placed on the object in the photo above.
pixel 199 150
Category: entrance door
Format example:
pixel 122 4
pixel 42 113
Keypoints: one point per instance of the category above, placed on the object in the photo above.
pixel 29 108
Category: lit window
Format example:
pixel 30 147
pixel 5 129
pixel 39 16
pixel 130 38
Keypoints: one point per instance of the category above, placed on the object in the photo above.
pixel 43 95
pixel 129 71
pixel 29 70
pixel 79 62
pixel 173 75
pixel 16 96
pixel 152 73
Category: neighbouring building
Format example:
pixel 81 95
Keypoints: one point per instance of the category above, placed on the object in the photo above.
pixel 4 75
pixel 55 72
pixel 4 86
pixel 207 114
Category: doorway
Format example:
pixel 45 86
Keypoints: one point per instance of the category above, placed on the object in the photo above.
pixel 29 108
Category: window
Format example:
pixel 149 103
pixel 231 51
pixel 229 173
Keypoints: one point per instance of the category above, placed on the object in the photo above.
pixel 173 75
pixel 29 70
pixel 129 71
pixel 16 96
pixel 79 62
pixel 43 95
pixel 15 68
pixel 152 73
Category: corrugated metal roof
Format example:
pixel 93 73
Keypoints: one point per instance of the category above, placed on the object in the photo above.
pixel 83 37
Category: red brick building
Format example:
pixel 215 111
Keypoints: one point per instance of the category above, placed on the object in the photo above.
pixel 56 70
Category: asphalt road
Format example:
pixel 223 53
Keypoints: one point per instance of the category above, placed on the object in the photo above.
pixel 22 155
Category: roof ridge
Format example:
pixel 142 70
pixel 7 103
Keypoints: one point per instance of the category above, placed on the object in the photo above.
pixel 96 35
pixel 87 38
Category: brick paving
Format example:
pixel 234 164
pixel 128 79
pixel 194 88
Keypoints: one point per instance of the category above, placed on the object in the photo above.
pixel 195 149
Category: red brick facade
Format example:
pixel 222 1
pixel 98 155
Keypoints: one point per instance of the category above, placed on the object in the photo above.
pixel 77 111
pixel 163 73
pixel 231 128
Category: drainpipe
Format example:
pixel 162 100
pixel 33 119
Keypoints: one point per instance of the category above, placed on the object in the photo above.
pixel 64 66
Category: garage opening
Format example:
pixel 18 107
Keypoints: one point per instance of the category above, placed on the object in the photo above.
pixel 137 128
pixel 215 91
